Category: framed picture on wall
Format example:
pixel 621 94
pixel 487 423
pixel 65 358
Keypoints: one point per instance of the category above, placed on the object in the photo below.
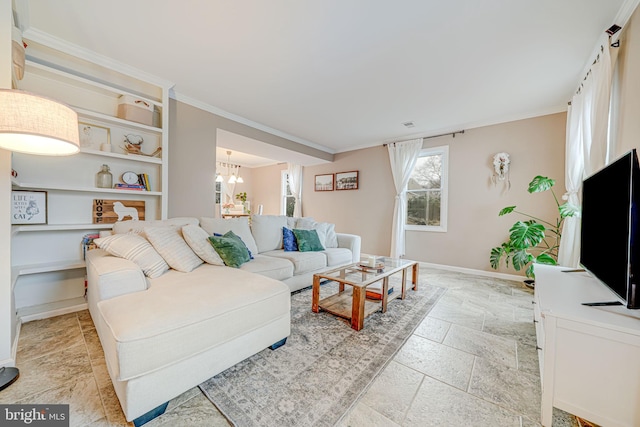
pixel 93 136
pixel 347 180
pixel 324 182
pixel 28 207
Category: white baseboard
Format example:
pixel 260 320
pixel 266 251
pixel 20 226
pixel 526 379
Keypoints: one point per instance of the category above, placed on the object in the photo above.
pixel 485 273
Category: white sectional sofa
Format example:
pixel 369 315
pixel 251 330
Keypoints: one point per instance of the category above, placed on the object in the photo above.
pixel 166 328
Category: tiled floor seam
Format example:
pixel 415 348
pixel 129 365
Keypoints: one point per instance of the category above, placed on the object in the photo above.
pixel 415 394
pixel 93 371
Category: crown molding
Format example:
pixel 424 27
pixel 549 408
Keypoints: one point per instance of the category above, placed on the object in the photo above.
pixel 625 12
pixel 227 115
pixel 64 46
pixel 463 126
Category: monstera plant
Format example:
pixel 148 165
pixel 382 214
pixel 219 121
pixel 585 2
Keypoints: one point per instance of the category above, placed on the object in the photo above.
pixel 533 240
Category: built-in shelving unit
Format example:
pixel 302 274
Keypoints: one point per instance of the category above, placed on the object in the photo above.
pixel 48 269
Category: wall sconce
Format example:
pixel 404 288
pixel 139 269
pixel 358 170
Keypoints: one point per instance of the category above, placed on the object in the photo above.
pixel 36 125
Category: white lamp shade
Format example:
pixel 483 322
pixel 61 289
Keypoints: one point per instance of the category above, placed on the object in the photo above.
pixel 36 125
pixel 232 179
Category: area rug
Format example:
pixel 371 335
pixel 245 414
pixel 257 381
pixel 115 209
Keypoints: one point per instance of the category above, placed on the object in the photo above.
pixel 324 367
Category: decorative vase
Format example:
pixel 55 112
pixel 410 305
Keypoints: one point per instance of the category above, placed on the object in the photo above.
pixel 104 179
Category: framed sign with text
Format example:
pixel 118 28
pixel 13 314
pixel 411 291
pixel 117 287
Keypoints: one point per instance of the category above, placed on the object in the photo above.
pixel 28 207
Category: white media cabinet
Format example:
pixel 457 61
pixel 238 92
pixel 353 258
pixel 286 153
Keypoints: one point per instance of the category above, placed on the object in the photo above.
pixel 589 356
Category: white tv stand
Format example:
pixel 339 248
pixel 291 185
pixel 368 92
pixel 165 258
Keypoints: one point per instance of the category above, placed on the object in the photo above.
pixel 589 356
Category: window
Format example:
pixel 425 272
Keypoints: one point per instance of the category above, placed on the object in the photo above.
pixel 427 191
pixel 288 201
pixel 218 193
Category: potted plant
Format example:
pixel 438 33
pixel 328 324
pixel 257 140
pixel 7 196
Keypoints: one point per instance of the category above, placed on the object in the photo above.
pixel 243 198
pixel 534 240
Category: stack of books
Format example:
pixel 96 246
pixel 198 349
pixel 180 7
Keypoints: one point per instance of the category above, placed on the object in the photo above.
pixel 139 187
pixel 142 185
pixel 374 290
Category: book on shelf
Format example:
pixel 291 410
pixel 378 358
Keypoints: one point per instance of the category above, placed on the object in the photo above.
pixel 88 244
pixel 129 186
pixel 143 179
pixel 374 291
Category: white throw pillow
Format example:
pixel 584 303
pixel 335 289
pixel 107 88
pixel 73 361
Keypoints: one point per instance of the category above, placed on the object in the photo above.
pixel 291 222
pixel 171 246
pixel 198 240
pixel 326 231
pixel 240 227
pixel 267 231
pixel 137 249
pixel 305 223
pixel 332 237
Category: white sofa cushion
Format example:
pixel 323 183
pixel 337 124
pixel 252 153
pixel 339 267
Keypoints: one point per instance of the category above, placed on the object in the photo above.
pixel 276 268
pixel 181 315
pixel 113 276
pixel 303 262
pixel 170 244
pixel 338 256
pixel 267 231
pixel 240 226
pixel 137 249
pixel 198 240
pixel 137 227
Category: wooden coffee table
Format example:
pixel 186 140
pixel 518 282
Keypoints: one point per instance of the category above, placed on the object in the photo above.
pixel 351 303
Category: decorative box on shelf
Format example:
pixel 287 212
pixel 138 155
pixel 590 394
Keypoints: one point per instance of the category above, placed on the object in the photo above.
pixel 135 109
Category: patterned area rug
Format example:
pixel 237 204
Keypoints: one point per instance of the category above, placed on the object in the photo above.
pixel 324 367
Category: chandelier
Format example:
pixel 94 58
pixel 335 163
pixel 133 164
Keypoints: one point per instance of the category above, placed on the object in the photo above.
pixel 232 176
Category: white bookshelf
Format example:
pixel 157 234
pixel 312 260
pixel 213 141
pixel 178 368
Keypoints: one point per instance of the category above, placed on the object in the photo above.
pixel 48 269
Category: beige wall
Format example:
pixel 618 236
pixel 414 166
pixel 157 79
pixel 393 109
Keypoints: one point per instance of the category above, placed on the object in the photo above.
pixel 192 159
pixel 266 188
pixel 366 211
pixel 536 147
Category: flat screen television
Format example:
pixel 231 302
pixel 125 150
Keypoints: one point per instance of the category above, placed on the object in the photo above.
pixel 610 238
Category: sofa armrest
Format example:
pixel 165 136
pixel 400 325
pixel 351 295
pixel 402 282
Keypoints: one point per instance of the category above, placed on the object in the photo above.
pixel 109 276
pixel 351 242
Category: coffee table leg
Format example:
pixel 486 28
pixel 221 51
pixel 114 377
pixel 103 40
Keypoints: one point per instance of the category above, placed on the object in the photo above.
pixel 404 283
pixel 414 279
pixel 385 293
pixel 357 308
pixel 316 294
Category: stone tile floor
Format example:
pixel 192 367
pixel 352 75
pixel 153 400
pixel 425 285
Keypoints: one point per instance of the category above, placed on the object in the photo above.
pixel 472 361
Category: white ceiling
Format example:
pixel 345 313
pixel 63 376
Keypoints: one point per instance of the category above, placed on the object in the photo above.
pixel 345 74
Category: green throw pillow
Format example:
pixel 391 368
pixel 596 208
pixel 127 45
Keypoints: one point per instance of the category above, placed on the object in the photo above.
pixel 308 240
pixel 232 250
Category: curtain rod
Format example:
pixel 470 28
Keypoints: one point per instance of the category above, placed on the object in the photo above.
pixel 453 134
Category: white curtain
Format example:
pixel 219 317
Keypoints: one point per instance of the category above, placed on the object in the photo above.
pixel 403 157
pixel 295 185
pixel 586 146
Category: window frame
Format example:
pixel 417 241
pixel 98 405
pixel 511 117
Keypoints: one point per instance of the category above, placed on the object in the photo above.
pixel 443 150
pixel 284 180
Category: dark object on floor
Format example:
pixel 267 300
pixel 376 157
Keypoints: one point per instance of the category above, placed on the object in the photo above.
pixel 8 376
